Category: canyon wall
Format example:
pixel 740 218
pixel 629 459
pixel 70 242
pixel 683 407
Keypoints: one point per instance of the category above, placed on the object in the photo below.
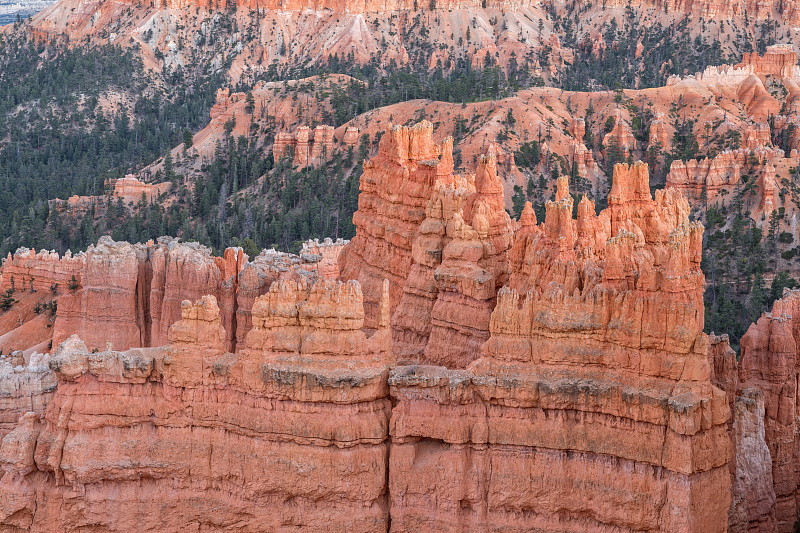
pixel 706 8
pixel 596 374
pixel 440 239
pixel 25 387
pixel 393 194
pixel 291 433
pixel 128 295
pixel 591 405
pixel 308 146
pixel 769 365
pixel 465 372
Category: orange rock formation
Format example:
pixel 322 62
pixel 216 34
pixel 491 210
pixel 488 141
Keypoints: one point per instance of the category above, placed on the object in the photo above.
pixel 307 146
pixel 473 373
pixel 441 240
pixel 395 188
pixel 769 364
pixel 596 308
pixel 290 433
pixel 129 295
pixel 130 189
pixel 706 177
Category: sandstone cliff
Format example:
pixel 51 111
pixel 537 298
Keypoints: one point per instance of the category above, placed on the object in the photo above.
pixel 129 295
pixel 769 364
pixel 25 386
pixel 289 434
pixel 394 192
pixel 596 373
pixel 553 374
pixel 441 240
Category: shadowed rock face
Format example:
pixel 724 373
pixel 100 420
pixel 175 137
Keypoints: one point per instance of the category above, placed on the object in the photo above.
pixel 768 370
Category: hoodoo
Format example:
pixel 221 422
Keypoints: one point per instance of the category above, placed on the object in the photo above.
pixel 553 356
pixel 465 372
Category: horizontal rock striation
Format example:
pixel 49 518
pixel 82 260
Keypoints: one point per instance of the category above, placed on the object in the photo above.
pixel 596 380
pixel 769 367
pixel 290 434
pixel 129 295
pixel 25 386
pixel 394 192
pixel 466 373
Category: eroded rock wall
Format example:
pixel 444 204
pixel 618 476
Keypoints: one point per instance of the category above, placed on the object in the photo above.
pixel 394 192
pixel 769 366
pixel 128 295
pixel 552 376
pixel 290 434
pixel 596 379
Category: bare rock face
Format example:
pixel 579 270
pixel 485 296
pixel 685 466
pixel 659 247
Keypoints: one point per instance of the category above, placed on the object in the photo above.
pixel 660 132
pixel 102 308
pixel 554 375
pixel 760 104
pixel 778 60
pixel 25 386
pixel 395 189
pixel 131 189
pixel 705 178
pixel 292 433
pixel 753 493
pixel 129 295
pixel 768 189
pixel 308 146
pixel 325 254
pixel 441 240
pixel 620 135
pixel 460 260
pixel 708 180
pixel 44 270
pixel 756 136
pixel 596 374
pixel 769 364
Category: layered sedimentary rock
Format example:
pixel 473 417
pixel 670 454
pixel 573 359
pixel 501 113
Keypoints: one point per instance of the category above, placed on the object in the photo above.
pixel 769 364
pixel 579 153
pixel 620 135
pixel 441 240
pixel 768 189
pixel 44 269
pixel 131 189
pixel 709 179
pixel 394 192
pixel 460 260
pixel 752 490
pixel 325 255
pixel 778 60
pixel 596 380
pixel 289 434
pixel 129 295
pixel 25 386
pixel 658 134
pixel 756 136
pixel 574 389
pixel 706 8
pixel 308 146
pixel 705 178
